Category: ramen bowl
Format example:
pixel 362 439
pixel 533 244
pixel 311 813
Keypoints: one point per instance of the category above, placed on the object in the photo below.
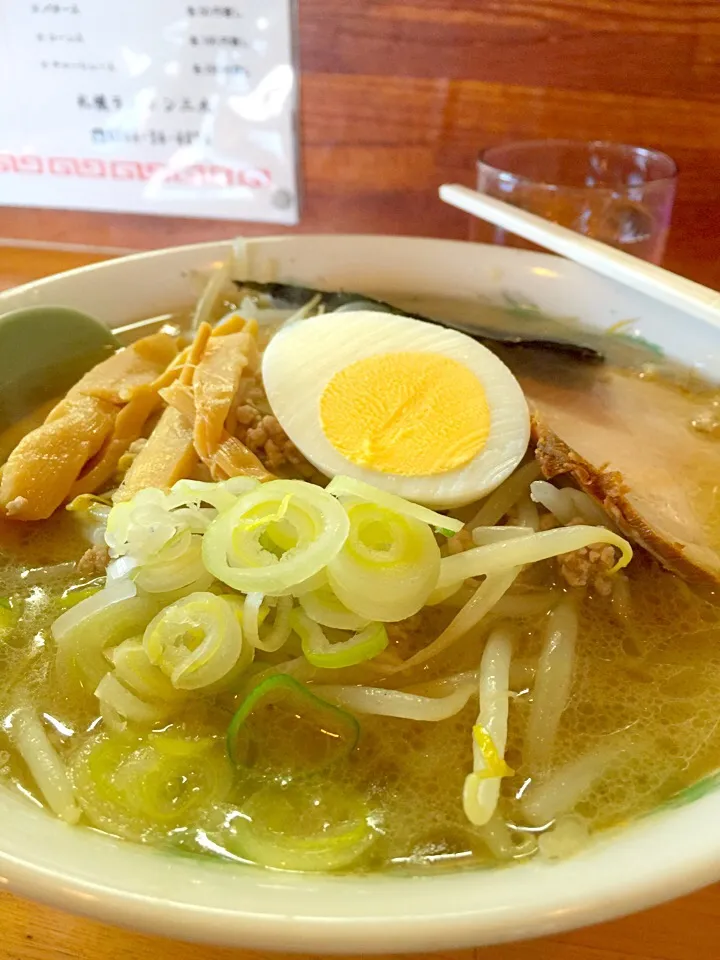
pixel 661 855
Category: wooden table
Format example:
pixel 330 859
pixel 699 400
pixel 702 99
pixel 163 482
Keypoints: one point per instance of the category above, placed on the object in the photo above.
pixel 688 929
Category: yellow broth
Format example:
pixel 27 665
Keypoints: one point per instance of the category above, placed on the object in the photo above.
pixel 646 681
pixel 652 677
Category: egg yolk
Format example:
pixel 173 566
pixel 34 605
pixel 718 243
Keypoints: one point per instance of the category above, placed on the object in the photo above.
pixel 411 414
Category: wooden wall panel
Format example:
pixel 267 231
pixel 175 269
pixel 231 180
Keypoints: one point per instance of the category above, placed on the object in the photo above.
pixel 610 45
pixel 398 96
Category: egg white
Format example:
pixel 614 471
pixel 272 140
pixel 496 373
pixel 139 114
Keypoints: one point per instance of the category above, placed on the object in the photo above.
pixel 302 358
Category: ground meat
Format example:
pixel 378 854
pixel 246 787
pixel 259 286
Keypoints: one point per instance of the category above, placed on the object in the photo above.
pixel 262 434
pixel 93 562
pixel 588 567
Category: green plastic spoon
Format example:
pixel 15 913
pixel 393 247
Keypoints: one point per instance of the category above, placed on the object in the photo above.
pixel 43 351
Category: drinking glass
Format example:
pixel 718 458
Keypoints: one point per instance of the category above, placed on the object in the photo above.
pixel 619 194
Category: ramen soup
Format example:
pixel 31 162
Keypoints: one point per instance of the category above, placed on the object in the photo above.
pixel 313 583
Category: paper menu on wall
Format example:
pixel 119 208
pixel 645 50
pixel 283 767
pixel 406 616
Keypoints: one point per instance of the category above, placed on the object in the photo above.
pixel 166 107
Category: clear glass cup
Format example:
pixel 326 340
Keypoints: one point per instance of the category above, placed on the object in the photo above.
pixel 619 194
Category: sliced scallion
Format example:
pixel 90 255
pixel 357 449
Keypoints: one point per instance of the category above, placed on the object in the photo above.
pixel 281 727
pixel 320 651
pixel 298 827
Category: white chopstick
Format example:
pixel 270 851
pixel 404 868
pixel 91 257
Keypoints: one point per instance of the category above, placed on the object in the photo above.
pixel 653 281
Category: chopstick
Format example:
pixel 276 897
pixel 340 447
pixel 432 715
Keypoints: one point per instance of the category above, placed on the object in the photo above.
pixel 653 281
pixel 130 331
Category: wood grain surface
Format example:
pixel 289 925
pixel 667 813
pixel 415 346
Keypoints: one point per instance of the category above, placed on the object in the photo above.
pixel 688 929
pixel 398 96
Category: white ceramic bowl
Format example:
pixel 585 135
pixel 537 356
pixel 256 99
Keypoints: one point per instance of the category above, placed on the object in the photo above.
pixel 662 855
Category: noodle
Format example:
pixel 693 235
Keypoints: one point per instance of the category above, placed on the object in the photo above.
pixel 396 703
pixel 497 837
pixel 590 511
pixel 441 686
pixel 484 535
pixel 481 797
pixel 262 661
pixel 506 496
pixel 568 504
pixel 559 793
pixel 27 733
pixel 553 681
pixel 527 514
pixel 558 502
pixel 569 835
pixel 484 599
pixel 530 549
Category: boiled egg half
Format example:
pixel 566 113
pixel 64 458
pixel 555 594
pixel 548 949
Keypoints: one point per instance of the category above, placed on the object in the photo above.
pixel 413 408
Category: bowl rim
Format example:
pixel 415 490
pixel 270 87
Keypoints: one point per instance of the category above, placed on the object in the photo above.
pixel 461 923
pixel 399 914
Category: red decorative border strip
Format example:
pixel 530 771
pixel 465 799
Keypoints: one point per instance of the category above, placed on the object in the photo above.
pixel 196 175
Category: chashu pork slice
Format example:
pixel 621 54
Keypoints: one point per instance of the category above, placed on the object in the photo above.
pixel 629 442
